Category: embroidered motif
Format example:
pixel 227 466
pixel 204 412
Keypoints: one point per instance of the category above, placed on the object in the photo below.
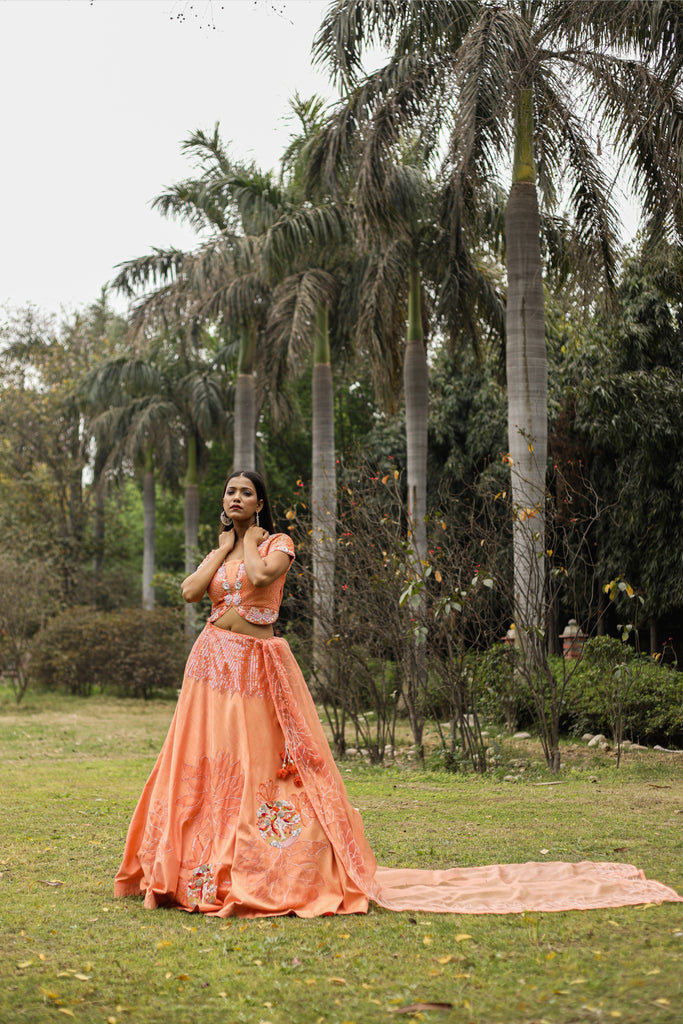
pixel 202 888
pixel 227 662
pixel 279 821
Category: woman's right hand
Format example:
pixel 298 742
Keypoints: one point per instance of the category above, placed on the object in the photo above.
pixel 226 540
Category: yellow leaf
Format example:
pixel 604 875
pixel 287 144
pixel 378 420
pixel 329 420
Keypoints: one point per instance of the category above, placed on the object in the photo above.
pixel 444 959
pixel 41 956
pixel 182 977
pixel 427 940
pixel 337 981
pixel 437 576
pixel 83 977
pixel 25 963
pixel 69 1013
pixel 531 447
pixel 663 1002
pixel 396 474
pixel 49 995
pixel 163 944
pixel 462 937
pixel 443 526
pixel 311 981
pixel 385 478
pixel 189 928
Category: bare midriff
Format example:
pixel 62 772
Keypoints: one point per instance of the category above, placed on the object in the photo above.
pixel 233 621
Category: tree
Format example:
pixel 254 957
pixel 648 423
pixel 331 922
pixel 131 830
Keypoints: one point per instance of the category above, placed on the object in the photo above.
pixel 625 388
pixel 510 82
pixel 45 449
pixel 158 411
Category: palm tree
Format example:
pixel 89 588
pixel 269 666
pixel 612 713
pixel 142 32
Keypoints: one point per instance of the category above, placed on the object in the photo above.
pixel 155 410
pixel 264 273
pixel 518 81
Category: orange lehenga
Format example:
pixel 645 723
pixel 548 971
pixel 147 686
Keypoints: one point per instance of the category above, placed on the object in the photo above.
pixel 246 814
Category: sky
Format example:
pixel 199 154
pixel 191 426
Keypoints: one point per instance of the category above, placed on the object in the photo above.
pixel 97 98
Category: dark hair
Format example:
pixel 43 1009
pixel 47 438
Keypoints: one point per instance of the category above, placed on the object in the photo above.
pixel 265 515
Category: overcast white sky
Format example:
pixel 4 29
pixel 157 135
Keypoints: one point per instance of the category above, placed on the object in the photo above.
pixel 97 97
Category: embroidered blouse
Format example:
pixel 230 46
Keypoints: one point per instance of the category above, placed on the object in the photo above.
pixel 232 588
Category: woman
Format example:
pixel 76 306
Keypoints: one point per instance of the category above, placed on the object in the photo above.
pixel 245 812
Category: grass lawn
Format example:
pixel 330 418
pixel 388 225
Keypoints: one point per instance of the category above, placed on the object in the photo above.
pixel 72 770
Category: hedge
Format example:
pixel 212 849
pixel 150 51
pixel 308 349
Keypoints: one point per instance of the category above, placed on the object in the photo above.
pixel 129 653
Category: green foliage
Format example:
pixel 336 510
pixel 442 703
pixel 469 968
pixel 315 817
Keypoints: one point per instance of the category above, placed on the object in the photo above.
pixel 129 653
pixel 652 701
pixel 629 415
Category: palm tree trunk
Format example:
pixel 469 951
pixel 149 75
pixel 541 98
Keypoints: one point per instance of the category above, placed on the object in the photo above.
pixel 527 385
pixel 245 403
pixel 148 530
pixel 416 388
pixel 324 495
pixel 191 517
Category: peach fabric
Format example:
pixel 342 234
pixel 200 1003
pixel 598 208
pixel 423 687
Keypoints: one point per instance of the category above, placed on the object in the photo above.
pixel 218 830
pixel 231 587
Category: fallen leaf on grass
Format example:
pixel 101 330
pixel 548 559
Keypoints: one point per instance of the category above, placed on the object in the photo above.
pixel 418 1007
pixel 53 882
pixel 462 937
pixel 663 1002
pixel 444 959
pixel 83 977
pixel 337 981
pixel 69 1013
pixel 25 963
pixel 49 995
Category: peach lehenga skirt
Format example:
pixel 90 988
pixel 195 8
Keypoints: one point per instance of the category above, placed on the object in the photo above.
pixel 222 829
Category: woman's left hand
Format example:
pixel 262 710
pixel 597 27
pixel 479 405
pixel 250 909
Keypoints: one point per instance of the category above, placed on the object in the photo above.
pixel 256 533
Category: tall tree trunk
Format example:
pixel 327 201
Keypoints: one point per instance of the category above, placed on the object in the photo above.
pixel 191 517
pixel 416 387
pixel 527 385
pixel 245 403
pixel 148 530
pixel 324 494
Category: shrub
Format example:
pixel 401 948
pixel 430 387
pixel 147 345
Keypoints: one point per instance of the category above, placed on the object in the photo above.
pixel 652 701
pixel 130 653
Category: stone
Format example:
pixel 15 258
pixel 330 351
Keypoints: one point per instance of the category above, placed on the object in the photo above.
pixel 597 741
pixel 522 736
pixel 587 737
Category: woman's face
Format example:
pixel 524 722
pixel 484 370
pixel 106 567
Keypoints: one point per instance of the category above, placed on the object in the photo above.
pixel 241 501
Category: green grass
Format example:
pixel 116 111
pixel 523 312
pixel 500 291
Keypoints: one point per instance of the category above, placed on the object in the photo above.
pixel 72 770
